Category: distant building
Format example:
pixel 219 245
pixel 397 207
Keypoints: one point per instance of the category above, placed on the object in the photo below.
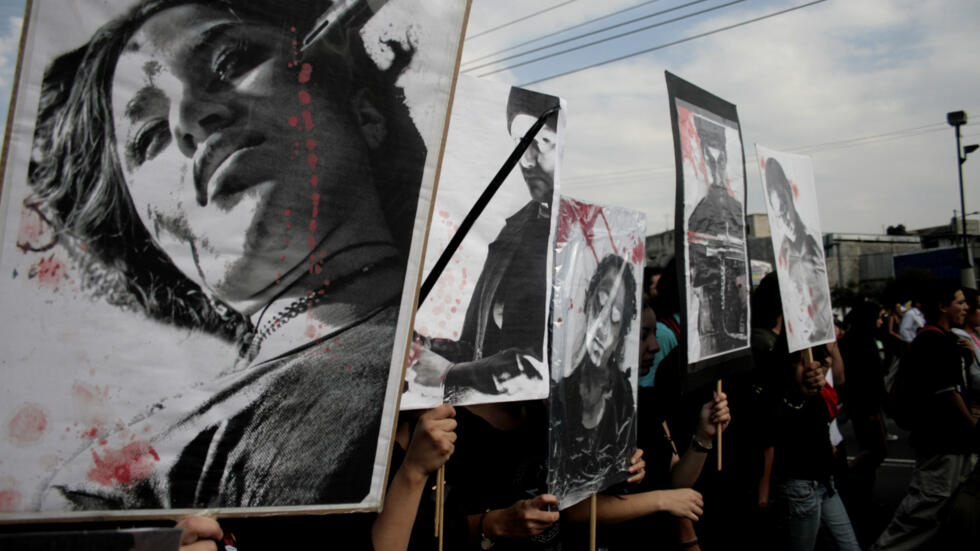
pixel 862 262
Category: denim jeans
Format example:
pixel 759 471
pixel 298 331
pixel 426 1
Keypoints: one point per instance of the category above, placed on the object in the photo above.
pixel 803 506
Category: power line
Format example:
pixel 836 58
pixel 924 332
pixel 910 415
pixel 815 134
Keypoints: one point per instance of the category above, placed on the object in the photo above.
pixel 590 33
pixel 566 29
pixel 674 43
pixel 640 175
pixel 608 38
pixel 519 19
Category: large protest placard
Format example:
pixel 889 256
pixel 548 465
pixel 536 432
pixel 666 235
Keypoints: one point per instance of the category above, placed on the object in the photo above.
pixel 480 334
pixel 213 223
pixel 710 232
pixel 791 201
pixel 599 257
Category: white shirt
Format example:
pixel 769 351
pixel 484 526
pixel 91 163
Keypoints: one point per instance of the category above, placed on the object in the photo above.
pixel 912 321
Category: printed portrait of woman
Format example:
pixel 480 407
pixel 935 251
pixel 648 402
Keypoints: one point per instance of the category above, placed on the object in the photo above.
pixel 248 170
pixel 593 408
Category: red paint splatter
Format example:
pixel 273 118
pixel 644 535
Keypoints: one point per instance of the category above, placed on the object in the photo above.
pixel 314 181
pixel 304 97
pixel 316 201
pixel 317 269
pixel 311 241
pixel 639 252
pixel 103 442
pixel 91 407
pixel 131 463
pixel 444 213
pixel 310 332
pixel 312 225
pixel 326 282
pixel 287 212
pixel 311 159
pixel 308 119
pixel 27 425
pixel 10 498
pixel 50 271
pixel 293 121
pixel 762 162
pixel 304 73
pixel 311 144
pixel 796 190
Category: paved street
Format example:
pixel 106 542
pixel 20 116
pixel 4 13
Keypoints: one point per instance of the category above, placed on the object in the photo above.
pixel 892 480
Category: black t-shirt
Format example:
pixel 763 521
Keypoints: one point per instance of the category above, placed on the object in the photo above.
pixel 802 440
pixel 937 365
pixel 493 469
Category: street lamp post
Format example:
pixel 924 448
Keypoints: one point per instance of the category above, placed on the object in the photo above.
pixel 956 119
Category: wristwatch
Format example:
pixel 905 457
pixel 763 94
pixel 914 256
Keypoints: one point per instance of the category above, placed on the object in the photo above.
pixel 485 541
pixel 699 447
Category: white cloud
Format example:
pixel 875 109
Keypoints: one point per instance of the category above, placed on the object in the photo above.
pixel 826 73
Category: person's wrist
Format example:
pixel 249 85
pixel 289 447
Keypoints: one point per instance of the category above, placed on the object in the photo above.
pixel 414 473
pixel 702 445
pixel 487 530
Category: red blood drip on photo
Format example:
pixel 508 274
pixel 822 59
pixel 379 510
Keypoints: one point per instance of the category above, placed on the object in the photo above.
pixel 350 367
pixel 10 497
pixel 311 241
pixel 310 332
pixel 326 282
pixel 796 190
pixel 103 442
pixel 691 144
pixel 314 180
pixel 50 271
pixel 27 425
pixel 304 97
pixel 312 225
pixel 311 159
pixel 304 73
pixel 316 201
pixel 91 405
pixel 311 144
pixel 762 162
pixel 131 463
pixel 639 252
pixel 444 213
pixel 293 121
pixel 287 212
pixel 317 269
pixel 308 119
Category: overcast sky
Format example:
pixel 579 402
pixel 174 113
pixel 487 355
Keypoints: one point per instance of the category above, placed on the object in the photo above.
pixel 816 80
pixel 834 71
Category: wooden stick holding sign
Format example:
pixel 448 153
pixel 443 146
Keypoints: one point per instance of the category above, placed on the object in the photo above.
pixel 719 428
pixel 592 522
pixel 440 502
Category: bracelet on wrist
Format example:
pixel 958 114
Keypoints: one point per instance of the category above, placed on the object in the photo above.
pixel 485 541
pixel 688 544
pixel 700 447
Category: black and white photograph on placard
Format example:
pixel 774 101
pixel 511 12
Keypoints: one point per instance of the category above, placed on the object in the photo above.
pixel 599 256
pixel 480 334
pixel 213 225
pixel 791 201
pixel 710 225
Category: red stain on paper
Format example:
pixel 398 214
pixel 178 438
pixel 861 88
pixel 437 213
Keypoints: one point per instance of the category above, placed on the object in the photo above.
pixel 27 425
pixel 305 71
pixel 49 271
pixel 131 463
pixel 10 498
pixel 304 97
pixel 91 407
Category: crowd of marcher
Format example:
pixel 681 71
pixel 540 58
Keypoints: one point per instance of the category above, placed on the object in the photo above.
pixel 781 482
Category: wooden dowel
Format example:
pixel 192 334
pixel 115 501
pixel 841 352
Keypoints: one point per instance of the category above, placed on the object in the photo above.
pixel 592 519
pixel 440 504
pixel 718 427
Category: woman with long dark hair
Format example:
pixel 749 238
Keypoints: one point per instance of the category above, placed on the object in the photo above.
pixel 240 185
